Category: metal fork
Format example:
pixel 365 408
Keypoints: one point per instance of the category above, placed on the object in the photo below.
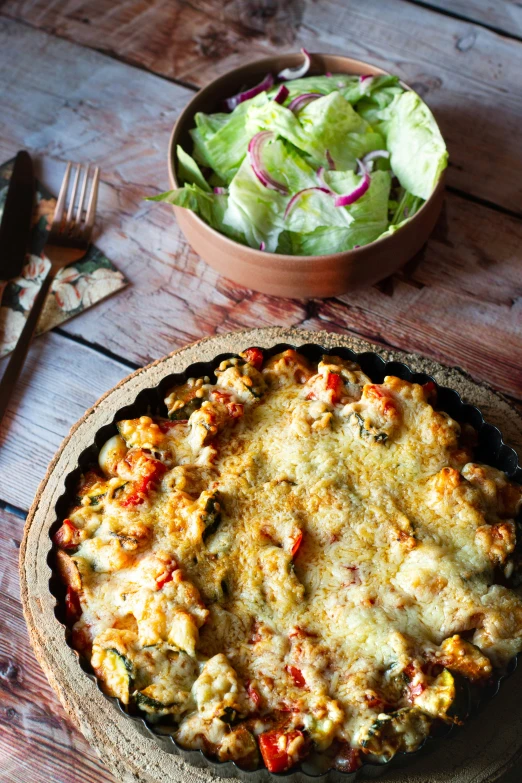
pixel 68 241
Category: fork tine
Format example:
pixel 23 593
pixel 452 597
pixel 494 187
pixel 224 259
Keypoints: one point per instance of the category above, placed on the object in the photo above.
pixel 91 209
pixel 60 203
pixel 69 218
pixel 83 191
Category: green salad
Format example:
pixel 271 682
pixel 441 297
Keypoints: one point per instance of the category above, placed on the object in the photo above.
pixel 311 165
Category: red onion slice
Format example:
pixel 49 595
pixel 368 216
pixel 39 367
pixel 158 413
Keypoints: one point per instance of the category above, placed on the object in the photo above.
pixel 300 101
pixel 331 161
pixel 320 177
pixel 349 198
pixel 262 246
pixel 282 94
pixel 255 148
pixel 364 76
pixel 297 73
pixel 235 100
pixel 373 155
pixel 291 204
pixel 220 191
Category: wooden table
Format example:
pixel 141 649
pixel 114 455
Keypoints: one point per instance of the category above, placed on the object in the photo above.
pixel 94 80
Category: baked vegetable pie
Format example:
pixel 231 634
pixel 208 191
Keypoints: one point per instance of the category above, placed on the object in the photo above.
pixel 297 560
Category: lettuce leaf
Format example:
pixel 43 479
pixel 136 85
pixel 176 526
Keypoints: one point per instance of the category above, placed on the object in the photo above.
pixel 207 125
pixel 371 89
pixel 350 87
pixel 329 123
pixel 189 171
pixel 257 212
pixel 407 207
pixel 223 149
pixel 211 207
pixel 376 99
pixel 320 242
pixel 253 210
pixel 316 227
pixel 418 153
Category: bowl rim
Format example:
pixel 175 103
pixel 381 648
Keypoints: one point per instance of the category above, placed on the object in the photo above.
pixel 263 254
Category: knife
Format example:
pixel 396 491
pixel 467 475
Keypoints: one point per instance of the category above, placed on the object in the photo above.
pixel 15 228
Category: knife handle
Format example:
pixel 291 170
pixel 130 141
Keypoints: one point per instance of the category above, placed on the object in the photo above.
pixel 17 359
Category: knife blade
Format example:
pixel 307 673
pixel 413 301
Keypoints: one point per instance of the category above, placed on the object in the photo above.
pixel 15 228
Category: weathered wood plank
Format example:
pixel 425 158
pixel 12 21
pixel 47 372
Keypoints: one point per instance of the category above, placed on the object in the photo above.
pixel 120 117
pixel 502 15
pixel 59 382
pixel 38 744
pixel 467 73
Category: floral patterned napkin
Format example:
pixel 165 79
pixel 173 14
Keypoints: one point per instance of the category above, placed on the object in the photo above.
pixel 75 288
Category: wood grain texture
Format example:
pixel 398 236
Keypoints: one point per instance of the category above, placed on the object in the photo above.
pixel 59 381
pixel 502 15
pixel 480 753
pixel 459 301
pixel 38 744
pixel 468 74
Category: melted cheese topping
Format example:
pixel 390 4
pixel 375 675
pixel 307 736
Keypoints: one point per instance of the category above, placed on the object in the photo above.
pixel 306 551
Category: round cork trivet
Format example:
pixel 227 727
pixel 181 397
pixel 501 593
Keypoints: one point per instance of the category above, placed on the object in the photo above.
pixel 481 752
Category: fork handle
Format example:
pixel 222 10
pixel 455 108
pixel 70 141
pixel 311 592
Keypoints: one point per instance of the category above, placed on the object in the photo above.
pixel 16 362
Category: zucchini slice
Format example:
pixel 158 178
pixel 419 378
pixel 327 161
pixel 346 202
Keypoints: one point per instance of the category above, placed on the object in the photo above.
pixel 403 730
pixel 211 516
pixel 147 702
pixel 93 487
pixel 95 499
pixel 229 716
pixel 116 672
pixel 447 698
pixel 186 411
pixel 112 451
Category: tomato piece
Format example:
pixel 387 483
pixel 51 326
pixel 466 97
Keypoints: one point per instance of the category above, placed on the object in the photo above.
pixel 281 750
pixel 297 676
pixel 155 470
pixel 167 426
pixel 254 356
pixel 68 536
pixel 235 409
pixel 166 576
pixel 382 395
pixel 334 383
pixel 348 759
pixel 374 701
pixel 253 695
pixel 297 543
pixel 73 609
pixel 416 690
